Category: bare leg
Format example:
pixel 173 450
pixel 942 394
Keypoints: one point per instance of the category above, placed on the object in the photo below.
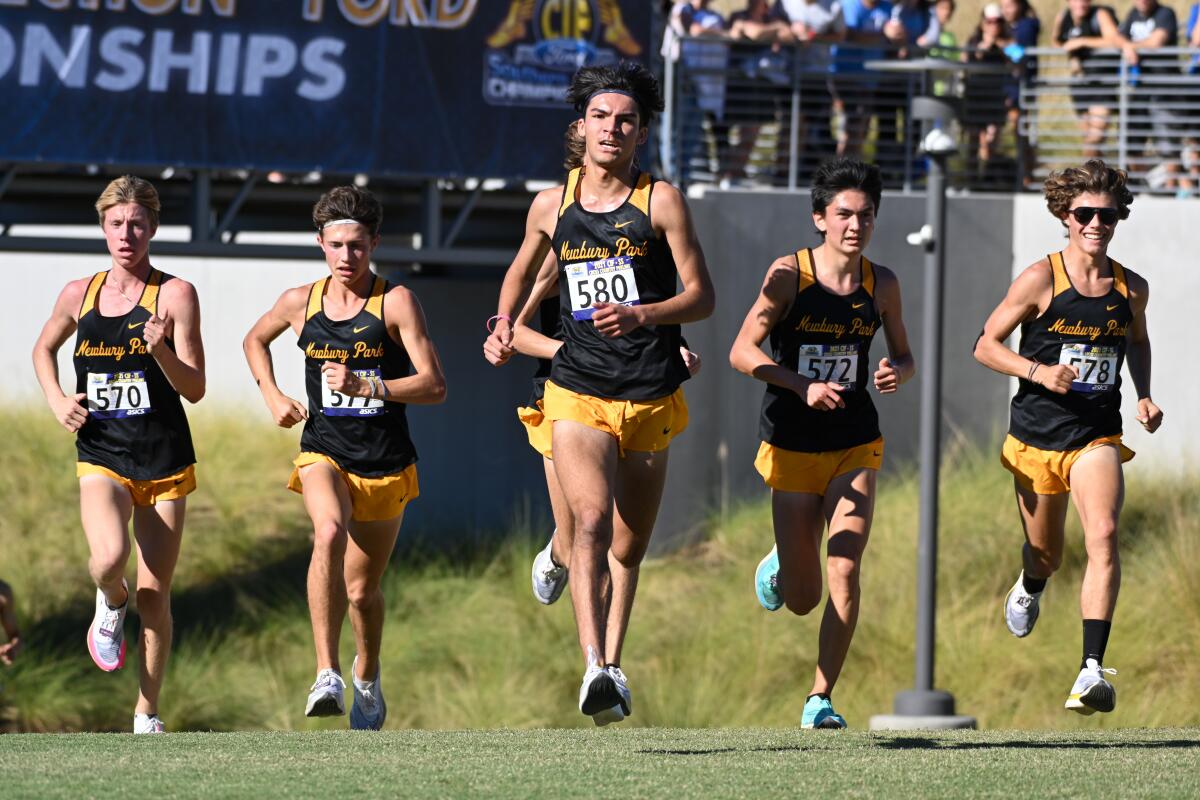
pixel 799 525
pixel 640 480
pixel 159 532
pixel 564 522
pixel 585 461
pixel 368 551
pixel 1098 486
pixel 327 500
pixel 848 506
pixel 1043 517
pixel 105 508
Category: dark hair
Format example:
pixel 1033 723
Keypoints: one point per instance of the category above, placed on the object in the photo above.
pixel 627 76
pixel 348 202
pixel 1094 177
pixel 839 174
pixel 574 148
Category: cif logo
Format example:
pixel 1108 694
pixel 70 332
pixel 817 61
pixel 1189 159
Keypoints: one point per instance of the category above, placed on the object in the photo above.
pixel 581 25
pixel 567 19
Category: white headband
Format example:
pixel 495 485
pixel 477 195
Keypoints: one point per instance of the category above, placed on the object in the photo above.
pixel 333 222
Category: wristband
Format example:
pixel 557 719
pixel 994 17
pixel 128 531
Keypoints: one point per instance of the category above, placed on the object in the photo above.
pixel 374 388
pixel 488 325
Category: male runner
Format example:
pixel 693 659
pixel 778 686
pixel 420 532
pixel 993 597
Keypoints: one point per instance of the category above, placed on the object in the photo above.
pixel 361 337
pixel 613 398
pixel 8 621
pixel 1081 314
pixel 821 445
pixel 137 351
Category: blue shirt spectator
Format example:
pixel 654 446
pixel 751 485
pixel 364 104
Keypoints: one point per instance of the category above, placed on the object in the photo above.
pixel 865 21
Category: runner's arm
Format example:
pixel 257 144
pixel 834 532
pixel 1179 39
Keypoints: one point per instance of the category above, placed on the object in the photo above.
pixel 287 312
pixel 1137 352
pixel 427 384
pixel 8 620
pixel 900 365
pixel 62 323
pixel 526 340
pixel 183 366
pixel 1022 302
pixel 539 225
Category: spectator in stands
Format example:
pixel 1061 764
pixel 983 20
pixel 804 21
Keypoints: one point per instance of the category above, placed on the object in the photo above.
pixel 940 41
pixel 1025 28
pixel 854 87
pixel 1149 26
pixel 906 24
pixel 768 95
pixel 708 61
pixel 1080 28
pixel 1190 158
pixel 817 25
pixel 984 110
pixel 8 622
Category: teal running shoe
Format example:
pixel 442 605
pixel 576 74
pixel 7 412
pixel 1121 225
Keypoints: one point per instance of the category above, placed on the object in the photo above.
pixel 766 581
pixel 819 713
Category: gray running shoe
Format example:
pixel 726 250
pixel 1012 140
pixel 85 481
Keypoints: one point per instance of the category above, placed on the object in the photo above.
pixel 1091 692
pixel 369 709
pixel 1021 608
pixel 148 723
pixel 549 579
pixel 327 696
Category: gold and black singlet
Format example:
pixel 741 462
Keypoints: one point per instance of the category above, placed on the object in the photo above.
pixel 550 324
pixel 825 337
pixel 135 426
pixel 614 257
pixel 1087 333
pixel 365 436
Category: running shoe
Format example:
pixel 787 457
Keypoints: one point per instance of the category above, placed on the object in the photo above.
pixel 148 723
pixel 599 696
pixel 327 696
pixel 766 581
pixel 1021 608
pixel 819 713
pixel 622 684
pixel 549 579
pixel 106 635
pixel 1091 692
pixel 369 709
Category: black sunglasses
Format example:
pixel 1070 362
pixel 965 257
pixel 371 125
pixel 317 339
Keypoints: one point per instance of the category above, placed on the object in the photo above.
pixel 1083 215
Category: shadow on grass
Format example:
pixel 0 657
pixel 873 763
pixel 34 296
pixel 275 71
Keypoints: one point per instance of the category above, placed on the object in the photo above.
pixel 922 743
pixel 791 748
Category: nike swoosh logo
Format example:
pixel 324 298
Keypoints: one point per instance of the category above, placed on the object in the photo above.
pixel 360 330
pixel 857 305
pixel 133 325
pixel 619 225
pixel 1110 308
pixel 181 480
pixel 666 430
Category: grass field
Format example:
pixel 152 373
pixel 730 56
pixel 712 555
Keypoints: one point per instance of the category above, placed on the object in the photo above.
pixel 628 763
pixel 466 647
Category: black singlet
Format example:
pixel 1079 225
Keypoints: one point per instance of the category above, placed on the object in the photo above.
pixel 136 426
pixel 824 336
pixel 550 324
pixel 364 436
pixel 614 256
pixel 1084 332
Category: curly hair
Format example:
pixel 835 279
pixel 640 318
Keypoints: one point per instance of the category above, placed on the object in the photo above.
pixel 629 77
pixel 129 189
pixel 349 202
pixel 1094 177
pixel 574 148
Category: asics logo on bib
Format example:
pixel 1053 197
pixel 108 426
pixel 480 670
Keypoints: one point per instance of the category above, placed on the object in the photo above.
pixel 1113 328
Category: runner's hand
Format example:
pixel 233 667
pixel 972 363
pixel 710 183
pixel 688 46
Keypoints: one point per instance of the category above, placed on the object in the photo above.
pixel 497 347
pixel 690 360
pixel 340 378
pixel 1149 414
pixel 155 333
pixel 887 380
pixel 69 412
pixel 9 651
pixel 824 395
pixel 1055 377
pixel 613 319
pixel 286 411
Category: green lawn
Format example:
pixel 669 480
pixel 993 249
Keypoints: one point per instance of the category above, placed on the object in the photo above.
pixel 614 762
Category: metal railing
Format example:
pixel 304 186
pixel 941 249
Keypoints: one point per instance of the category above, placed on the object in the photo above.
pixel 742 113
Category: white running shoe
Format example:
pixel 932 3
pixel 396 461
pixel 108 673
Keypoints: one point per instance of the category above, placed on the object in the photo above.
pixel 1021 608
pixel 599 697
pixel 148 723
pixel 549 579
pixel 622 684
pixel 1091 692
pixel 326 697
pixel 369 709
pixel 106 635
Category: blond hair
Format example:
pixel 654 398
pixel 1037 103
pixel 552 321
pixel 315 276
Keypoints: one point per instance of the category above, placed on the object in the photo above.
pixel 129 189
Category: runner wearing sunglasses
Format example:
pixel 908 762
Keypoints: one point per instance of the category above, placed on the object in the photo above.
pixel 1081 316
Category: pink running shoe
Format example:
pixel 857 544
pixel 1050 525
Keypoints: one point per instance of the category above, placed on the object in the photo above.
pixel 106 636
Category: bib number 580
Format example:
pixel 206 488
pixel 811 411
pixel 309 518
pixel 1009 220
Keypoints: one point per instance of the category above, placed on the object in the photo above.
pixel 602 290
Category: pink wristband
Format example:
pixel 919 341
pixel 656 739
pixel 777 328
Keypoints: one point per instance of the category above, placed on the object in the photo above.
pixel 488 325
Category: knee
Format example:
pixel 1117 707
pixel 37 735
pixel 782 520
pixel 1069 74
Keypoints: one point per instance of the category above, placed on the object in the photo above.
pixel 108 563
pixel 1102 541
pixel 1045 562
pixel 593 525
pixel 329 537
pixel 802 602
pixel 153 605
pixel 843 575
pixel 629 554
pixel 362 595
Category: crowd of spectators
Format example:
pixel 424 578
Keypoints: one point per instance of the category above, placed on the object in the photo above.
pixel 821 47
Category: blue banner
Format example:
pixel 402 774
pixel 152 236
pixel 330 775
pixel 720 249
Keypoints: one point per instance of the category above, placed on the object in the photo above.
pixel 387 87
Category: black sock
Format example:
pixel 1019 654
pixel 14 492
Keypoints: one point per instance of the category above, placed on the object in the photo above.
pixel 1031 584
pixel 822 695
pixel 1095 640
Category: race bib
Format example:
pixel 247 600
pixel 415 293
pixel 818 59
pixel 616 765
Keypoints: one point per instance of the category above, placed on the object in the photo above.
pixel 1097 366
pixel 610 280
pixel 336 404
pixel 116 395
pixel 835 363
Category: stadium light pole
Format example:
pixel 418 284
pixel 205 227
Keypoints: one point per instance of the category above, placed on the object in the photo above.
pixel 923 706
